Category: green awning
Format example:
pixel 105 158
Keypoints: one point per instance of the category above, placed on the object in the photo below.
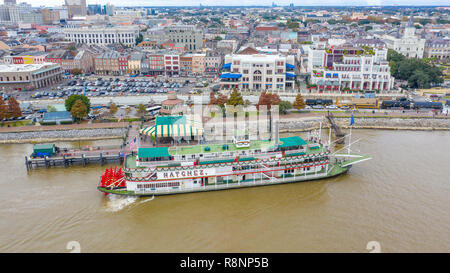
pixel 153 152
pixel 291 142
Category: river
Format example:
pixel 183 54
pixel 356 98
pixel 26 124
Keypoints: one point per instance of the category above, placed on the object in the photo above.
pixel 400 198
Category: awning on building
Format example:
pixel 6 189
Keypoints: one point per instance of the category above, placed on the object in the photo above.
pixel 226 66
pixel 290 66
pixel 230 76
pixel 290 75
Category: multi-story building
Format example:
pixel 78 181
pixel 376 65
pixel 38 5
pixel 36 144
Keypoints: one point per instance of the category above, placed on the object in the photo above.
pixel 9 14
pixel 213 62
pixel 134 63
pixel 107 63
pixel 172 63
pixel 32 17
pixel 34 57
pixel 186 64
pixel 156 64
pixel 94 9
pixel 258 72
pixel 198 64
pixel 29 76
pixel 76 7
pixel 349 68
pixel 188 35
pixel 50 16
pixel 439 49
pixel 409 45
pixel 124 60
pixel 125 35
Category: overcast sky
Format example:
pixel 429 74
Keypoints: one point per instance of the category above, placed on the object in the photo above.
pixel 243 2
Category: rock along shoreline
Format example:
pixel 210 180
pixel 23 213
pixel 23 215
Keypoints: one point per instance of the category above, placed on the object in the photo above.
pixel 61 135
pixel 413 124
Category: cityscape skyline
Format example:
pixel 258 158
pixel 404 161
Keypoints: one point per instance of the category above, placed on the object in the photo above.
pixel 162 3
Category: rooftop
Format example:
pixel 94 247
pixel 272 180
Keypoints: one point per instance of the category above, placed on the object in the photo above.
pixel 24 67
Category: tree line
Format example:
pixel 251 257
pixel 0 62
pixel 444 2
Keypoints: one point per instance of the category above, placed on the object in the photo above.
pixel 10 109
pixel 419 73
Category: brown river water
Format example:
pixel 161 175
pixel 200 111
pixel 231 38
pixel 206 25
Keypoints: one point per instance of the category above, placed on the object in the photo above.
pixel 400 198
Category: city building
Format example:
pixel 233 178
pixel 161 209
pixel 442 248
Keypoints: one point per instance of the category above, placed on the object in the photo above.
pixel 439 49
pixel 156 64
pixel 213 62
pixel 9 14
pixel 258 72
pixel 125 35
pixel 198 64
pixel 76 7
pixel 29 76
pixel 135 62
pixel 172 105
pixel 409 45
pixel 188 35
pixel 172 63
pixel 50 16
pixel 186 64
pixel 348 68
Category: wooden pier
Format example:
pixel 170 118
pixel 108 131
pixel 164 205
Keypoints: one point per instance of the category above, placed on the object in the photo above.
pixel 67 161
pixel 337 130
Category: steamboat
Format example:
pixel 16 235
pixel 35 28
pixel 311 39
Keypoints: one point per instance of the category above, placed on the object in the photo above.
pixel 240 163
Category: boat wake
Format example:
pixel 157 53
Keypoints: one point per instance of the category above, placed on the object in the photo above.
pixel 145 200
pixel 116 203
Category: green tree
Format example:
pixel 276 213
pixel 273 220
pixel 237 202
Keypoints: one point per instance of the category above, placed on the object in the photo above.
pixel 51 108
pixel 113 109
pixel 79 110
pixel 141 110
pixel 299 102
pixel 218 38
pixel 284 107
pixel 70 101
pixel 419 73
pixel 139 39
pixel 235 98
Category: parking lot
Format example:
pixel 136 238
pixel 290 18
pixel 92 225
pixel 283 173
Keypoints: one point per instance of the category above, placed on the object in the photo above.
pixel 109 86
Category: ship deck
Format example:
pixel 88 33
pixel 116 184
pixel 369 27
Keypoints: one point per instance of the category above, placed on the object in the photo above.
pixel 130 161
pixel 218 148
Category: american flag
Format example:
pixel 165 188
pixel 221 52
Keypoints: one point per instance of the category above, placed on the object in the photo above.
pixel 133 144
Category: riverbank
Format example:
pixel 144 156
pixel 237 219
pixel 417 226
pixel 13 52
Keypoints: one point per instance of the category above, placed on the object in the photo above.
pixel 61 135
pixel 377 123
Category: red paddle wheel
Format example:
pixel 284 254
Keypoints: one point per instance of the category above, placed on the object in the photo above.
pixel 113 178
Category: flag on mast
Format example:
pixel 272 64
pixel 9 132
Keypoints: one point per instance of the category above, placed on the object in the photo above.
pixel 133 144
pixel 352 121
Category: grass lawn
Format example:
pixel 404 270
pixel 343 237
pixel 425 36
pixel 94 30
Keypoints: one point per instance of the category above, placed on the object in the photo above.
pixel 15 123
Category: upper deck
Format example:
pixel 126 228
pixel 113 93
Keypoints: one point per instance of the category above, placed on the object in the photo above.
pixel 222 153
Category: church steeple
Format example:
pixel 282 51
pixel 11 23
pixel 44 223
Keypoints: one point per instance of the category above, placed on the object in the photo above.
pixel 411 21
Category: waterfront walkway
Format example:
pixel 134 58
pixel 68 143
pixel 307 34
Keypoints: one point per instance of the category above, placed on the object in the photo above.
pixel 74 126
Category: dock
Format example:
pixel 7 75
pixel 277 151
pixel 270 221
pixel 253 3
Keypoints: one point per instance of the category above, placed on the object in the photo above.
pixel 67 161
pixel 337 130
